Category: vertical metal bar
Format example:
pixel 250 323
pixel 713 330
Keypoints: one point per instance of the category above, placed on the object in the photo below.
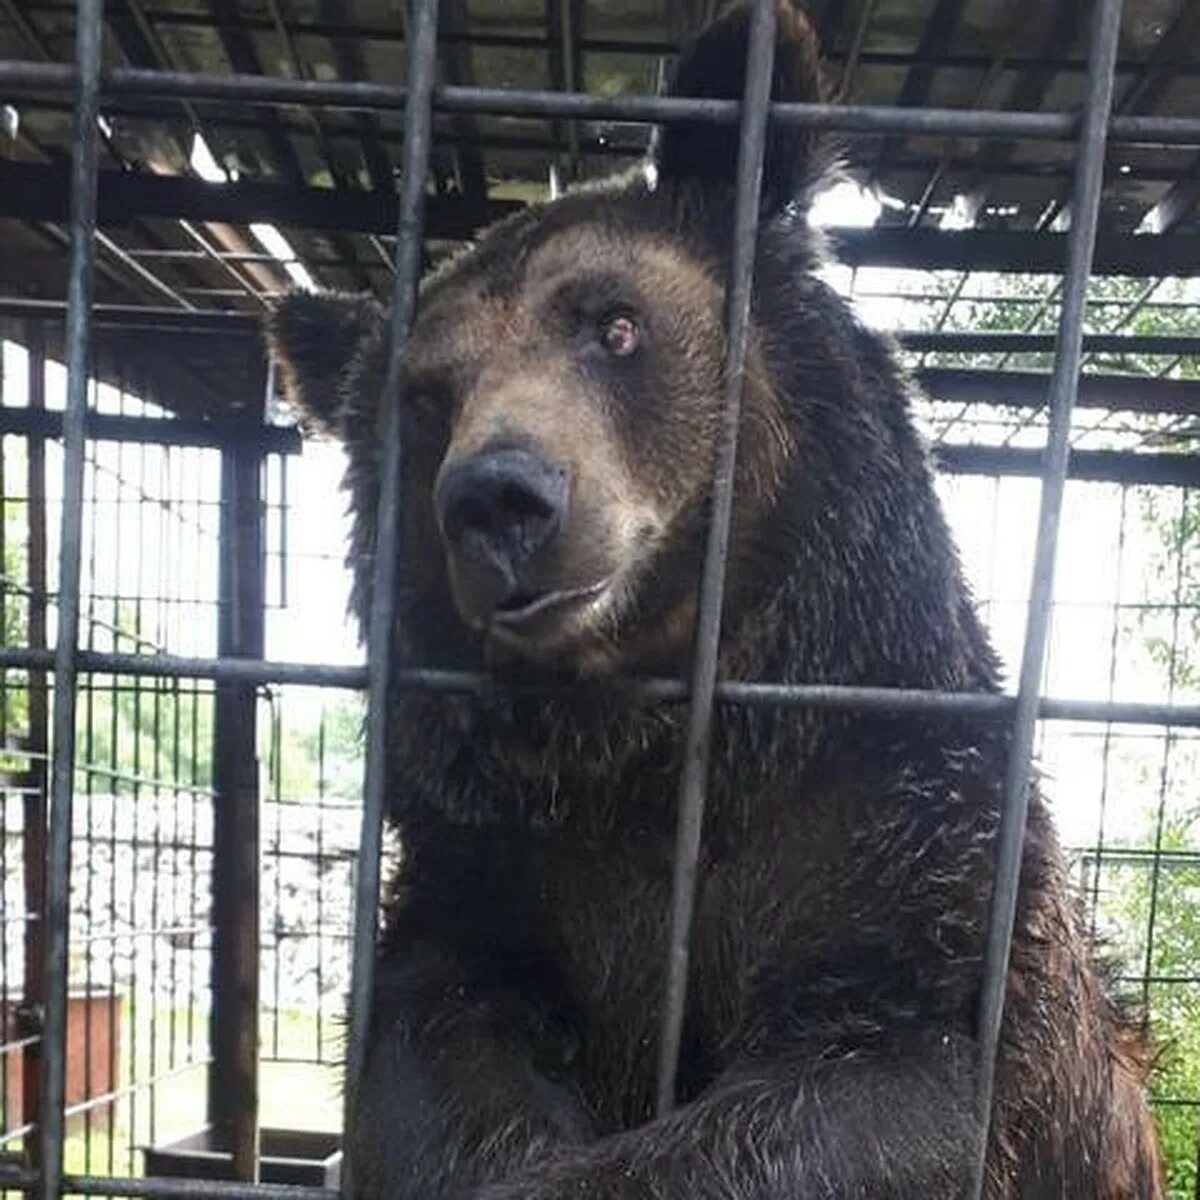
pixel 1106 751
pixel 276 776
pixel 321 864
pixel 233 1077
pixel 79 293
pixel 422 44
pixel 33 829
pixel 571 16
pixel 760 58
pixel 1164 775
pixel 1064 384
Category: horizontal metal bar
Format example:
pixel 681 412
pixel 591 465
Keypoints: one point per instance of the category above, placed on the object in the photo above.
pixel 1003 342
pixel 654 690
pixel 1141 856
pixel 20 1044
pixel 1093 466
pixel 169 1188
pixel 135 316
pixel 148 317
pixel 117 1094
pixel 17 919
pixel 146 782
pixel 1153 131
pixel 1027 389
pixel 225 670
pixel 114 935
pixel 626 144
pixel 868 119
pixel 32 191
pixel 1161 980
pixel 17 1132
pixel 109 427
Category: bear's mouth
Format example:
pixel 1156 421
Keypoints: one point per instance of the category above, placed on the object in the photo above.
pixel 522 610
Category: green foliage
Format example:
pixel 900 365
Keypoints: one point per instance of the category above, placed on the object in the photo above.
pixel 316 749
pixel 1168 949
pixel 144 728
pixel 1174 519
pixel 14 620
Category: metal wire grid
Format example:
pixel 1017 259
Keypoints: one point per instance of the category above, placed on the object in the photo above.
pixel 139 900
pixel 1115 306
pixel 418 99
pixel 144 875
pixel 308 884
pixel 1124 795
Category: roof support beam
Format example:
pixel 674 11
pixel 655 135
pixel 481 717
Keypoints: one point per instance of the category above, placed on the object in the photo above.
pixel 1178 204
pixel 37 192
pixel 1028 389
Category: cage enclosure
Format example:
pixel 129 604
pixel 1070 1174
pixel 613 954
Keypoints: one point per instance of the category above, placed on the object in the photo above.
pixel 189 854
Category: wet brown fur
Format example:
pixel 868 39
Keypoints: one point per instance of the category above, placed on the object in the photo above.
pixel 829 1045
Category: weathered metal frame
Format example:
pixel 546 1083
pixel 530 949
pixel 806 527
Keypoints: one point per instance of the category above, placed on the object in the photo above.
pixel 1092 130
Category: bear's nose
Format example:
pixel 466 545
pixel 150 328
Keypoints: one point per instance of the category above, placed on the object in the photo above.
pixel 498 508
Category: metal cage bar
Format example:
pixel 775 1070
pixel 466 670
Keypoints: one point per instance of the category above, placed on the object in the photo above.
pixel 760 59
pixel 52 1120
pixel 851 118
pixel 660 690
pixel 418 129
pixel 1064 384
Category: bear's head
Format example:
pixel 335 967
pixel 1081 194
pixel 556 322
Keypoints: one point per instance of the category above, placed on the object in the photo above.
pixel 562 406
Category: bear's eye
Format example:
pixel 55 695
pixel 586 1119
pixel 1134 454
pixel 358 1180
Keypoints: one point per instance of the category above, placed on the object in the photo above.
pixel 619 334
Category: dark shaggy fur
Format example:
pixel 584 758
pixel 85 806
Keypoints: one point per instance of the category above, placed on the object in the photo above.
pixel 829 1047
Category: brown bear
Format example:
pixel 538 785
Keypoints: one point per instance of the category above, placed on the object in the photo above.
pixel 560 412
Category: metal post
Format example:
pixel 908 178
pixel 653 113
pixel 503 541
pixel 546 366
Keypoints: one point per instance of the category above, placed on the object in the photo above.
pixel 760 57
pixel 79 293
pixel 33 834
pixel 417 136
pixel 233 1073
pixel 1089 176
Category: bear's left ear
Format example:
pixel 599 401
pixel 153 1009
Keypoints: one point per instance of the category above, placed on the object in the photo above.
pixel 314 339
pixel 714 67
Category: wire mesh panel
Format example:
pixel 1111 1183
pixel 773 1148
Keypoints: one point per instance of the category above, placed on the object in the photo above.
pixel 139 1044
pixel 134 666
pixel 141 838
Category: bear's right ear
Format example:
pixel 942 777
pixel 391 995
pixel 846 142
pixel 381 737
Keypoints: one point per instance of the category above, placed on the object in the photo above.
pixel 314 338
pixel 702 153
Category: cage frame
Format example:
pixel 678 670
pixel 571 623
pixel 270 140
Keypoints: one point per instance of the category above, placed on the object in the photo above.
pixel 1091 131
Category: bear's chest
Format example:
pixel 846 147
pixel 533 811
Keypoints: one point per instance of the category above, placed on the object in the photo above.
pixel 605 910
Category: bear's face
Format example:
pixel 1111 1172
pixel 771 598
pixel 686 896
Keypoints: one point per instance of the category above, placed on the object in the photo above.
pixel 562 397
pixel 573 409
